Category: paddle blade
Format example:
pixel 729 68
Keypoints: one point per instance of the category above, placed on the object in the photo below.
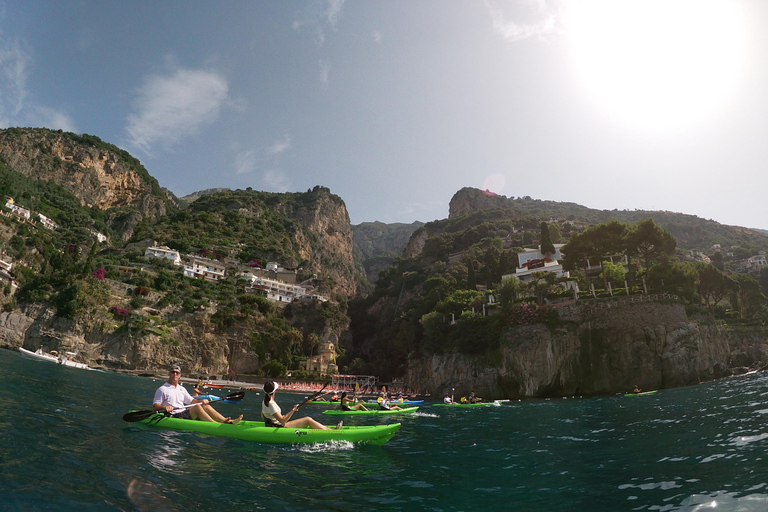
pixel 235 397
pixel 137 416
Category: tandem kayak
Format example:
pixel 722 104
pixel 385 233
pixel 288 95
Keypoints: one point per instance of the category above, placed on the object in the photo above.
pixel 372 412
pixel 257 432
pixel 643 393
pixel 481 404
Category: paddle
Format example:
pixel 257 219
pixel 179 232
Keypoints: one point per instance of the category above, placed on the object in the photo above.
pixel 142 415
pixel 315 395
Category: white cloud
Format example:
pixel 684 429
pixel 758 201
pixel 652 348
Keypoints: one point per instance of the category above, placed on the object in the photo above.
pixel 275 180
pixel 16 109
pixel 319 16
pixel 334 11
pixel 14 62
pixel 533 19
pixel 280 146
pixel 376 36
pixel 175 105
pixel 246 162
pixel 325 71
pixel 52 118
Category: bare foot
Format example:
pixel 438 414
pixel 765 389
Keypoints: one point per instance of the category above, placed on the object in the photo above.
pixel 339 425
pixel 236 420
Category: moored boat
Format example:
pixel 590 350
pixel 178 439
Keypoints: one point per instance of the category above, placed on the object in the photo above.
pixel 52 359
pixel 256 431
pixel 372 412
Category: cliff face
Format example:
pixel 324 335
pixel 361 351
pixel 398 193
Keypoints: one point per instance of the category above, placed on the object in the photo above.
pixel 597 351
pixel 378 244
pixel 96 175
pixel 326 217
pixel 468 200
pixel 191 343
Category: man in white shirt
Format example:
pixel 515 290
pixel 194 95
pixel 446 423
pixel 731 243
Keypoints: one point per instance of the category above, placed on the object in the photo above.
pixel 172 398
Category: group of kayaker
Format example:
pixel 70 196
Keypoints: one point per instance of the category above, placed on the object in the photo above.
pixel 174 399
pixel 471 399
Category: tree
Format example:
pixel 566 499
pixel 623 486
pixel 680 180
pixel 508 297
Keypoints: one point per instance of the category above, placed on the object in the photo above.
pixel 746 296
pixel 594 244
pixel 675 277
pixel 718 261
pixel 541 285
pixel 713 286
pixel 547 248
pixel 650 242
pixel 613 272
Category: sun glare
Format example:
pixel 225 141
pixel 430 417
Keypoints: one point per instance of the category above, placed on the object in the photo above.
pixel 663 64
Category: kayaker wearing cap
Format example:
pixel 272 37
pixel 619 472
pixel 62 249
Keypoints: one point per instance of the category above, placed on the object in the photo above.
pixel 347 405
pixel 273 415
pixel 171 397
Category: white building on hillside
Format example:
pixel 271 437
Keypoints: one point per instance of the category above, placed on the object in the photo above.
pixel 18 210
pixel 204 268
pixel 163 253
pixel 532 260
pixel 46 222
pixel 755 263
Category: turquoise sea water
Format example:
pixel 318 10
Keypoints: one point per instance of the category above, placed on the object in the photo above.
pixel 64 446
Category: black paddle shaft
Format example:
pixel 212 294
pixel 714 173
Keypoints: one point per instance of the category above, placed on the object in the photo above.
pixel 315 395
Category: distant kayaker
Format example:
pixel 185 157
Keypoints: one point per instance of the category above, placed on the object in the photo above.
pixel 171 397
pixel 348 405
pixel 637 389
pixel 473 399
pixel 447 399
pixel 384 403
pixel 199 386
pixel 274 417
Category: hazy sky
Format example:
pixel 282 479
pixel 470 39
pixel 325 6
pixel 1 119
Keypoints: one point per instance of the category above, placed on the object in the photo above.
pixel 396 105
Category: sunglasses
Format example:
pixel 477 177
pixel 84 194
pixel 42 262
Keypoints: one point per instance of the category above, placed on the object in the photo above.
pixel 177 372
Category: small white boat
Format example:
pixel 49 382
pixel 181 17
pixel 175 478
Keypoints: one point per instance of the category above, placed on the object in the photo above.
pixel 43 356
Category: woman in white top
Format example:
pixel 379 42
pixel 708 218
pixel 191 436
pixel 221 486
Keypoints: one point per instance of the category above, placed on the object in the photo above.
pixel 274 417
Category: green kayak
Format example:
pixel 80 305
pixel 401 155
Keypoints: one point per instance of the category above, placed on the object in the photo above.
pixel 371 412
pixel 480 404
pixel 257 432
pixel 643 393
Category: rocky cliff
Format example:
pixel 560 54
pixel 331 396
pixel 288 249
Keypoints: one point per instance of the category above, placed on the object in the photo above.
pixel 377 244
pixel 468 200
pixel 98 174
pixel 100 342
pixel 325 216
pixel 602 347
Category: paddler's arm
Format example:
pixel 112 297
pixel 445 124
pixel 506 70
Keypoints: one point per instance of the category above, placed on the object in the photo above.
pixel 284 418
pixel 158 407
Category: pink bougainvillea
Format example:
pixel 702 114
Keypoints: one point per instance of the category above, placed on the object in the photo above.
pixel 99 274
pixel 120 312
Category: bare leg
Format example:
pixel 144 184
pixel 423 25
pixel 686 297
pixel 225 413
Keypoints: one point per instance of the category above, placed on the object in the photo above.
pixel 199 413
pixel 208 413
pixel 304 422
